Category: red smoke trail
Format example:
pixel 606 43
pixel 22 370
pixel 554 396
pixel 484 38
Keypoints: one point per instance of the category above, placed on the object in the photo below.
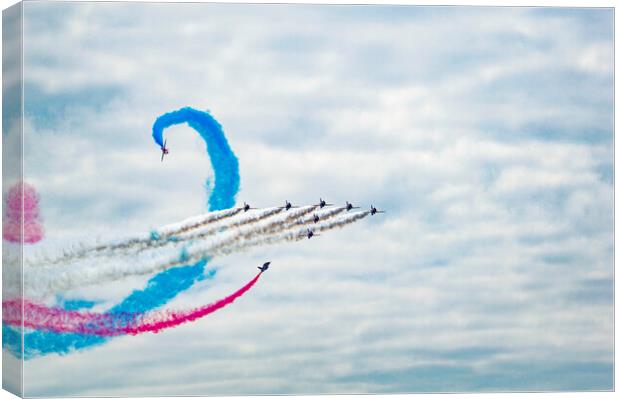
pixel 168 319
pixel 107 324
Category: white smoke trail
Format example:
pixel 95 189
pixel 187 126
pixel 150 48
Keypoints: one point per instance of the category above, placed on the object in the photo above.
pixel 157 238
pixel 196 222
pixel 295 234
pixel 292 220
pixel 42 281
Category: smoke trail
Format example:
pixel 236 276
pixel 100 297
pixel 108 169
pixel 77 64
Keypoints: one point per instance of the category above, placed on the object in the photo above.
pixel 174 281
pixel 165 236
pixel 248 221
pixel 22 221
pixel 308 220
pixel 43 342
pixel 157 235
pixel 158 238
pixel 108 324
pixel 169 319
pixel 297 235
pixel 47 280
pixel 294 219
pixel 262 229
pixel 39 343
pixel 159 290
pixel 339 223
pixel 257 230
pixel 174 236
pixel 224 162
pixel 196 222
pixel 182 239
pixel 57 320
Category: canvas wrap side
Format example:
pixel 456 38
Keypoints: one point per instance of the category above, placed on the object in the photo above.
pixel 12 174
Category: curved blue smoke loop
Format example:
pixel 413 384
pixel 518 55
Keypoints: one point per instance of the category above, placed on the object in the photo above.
pixel 165 285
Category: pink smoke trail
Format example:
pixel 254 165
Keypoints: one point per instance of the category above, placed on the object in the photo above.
pixel 22 209
pixel 168 319
pixel 59 320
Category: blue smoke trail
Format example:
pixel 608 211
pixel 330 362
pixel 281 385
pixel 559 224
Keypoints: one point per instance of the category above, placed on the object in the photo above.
pixel 159 290
pixel 223 160
pixel 168 284
pixel 75 304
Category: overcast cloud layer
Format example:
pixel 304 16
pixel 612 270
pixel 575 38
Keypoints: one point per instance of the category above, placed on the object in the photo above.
pixel 486 134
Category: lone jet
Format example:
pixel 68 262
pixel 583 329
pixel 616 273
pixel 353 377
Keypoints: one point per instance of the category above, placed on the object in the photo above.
pixel 350 206
pixel 164 150
pixel 288 206
pixel 264 267
pixel 323 204
pixel 311 234
pixel 316 219
pixel 374 210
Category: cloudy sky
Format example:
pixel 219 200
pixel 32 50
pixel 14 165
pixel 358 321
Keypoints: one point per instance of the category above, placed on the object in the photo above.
pixel 486 134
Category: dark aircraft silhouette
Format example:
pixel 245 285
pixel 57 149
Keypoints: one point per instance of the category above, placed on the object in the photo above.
pixel 316 219
pixel 311 234
pixel 164 150
pixel 374 210
pixel 350 206
pixel 246 207
pixel 322 203
pixel 264 267
pixel 288 206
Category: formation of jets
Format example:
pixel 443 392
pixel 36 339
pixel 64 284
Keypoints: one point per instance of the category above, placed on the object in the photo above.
pixel 287 205
pixel 309 232
pixel 315 219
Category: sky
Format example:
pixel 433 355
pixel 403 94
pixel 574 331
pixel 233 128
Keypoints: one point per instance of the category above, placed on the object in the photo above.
pixel 485 133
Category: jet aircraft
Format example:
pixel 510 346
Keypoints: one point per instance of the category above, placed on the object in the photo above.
pixel 374 210
pixel 164 150
pixel 264 267
pixel 311 234
pixel 350 206
pixel 288 206
pixel 322 203
pixel 246 207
